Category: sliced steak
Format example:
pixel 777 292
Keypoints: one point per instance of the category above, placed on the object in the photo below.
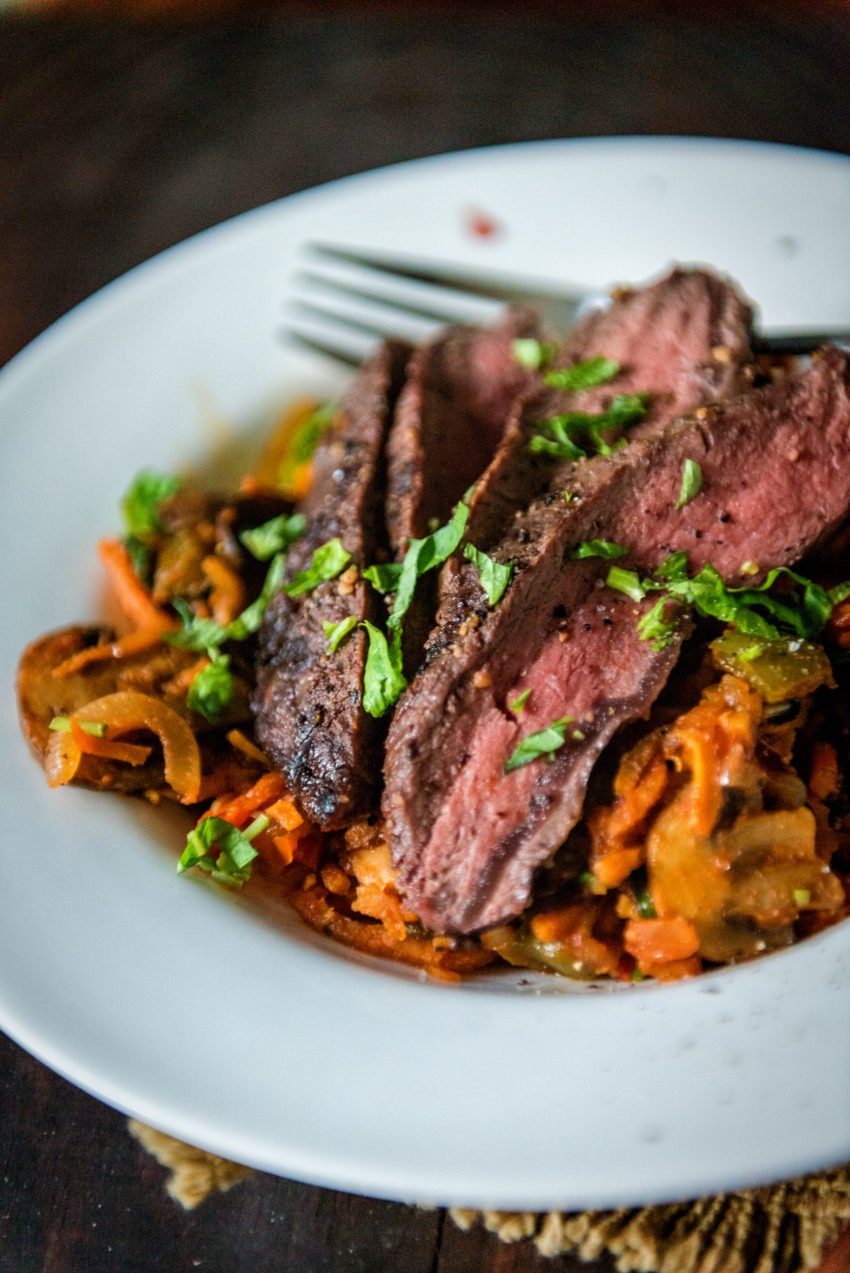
pixel 467 837
pixel 685 339
pixel 460 391
pixel 308 707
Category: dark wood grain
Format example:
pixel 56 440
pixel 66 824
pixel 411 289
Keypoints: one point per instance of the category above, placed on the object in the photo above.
pixel 119 138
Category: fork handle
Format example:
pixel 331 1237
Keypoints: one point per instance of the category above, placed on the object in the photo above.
pixel 797 342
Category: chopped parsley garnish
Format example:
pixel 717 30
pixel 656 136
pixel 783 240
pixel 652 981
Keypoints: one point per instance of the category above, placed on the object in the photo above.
pixel 659 625
pixel 534 354
pixel 328 561
pixel 384 578
pixel 383 677
pixel 577 434
pixel 423 555
pixel 140 504
pixel 691 483
pixel 544 743
pixel 756 611
pixel 205 635
pixel 627 581
pixel 248 622
pixel 337 632
pixel 62 725
pixel 598 548
pixel 197 633
pixel 517 706
pixel 232 864
pixel 212 689
pixel 494 576
pixel 263 542
pixel 140 508
pixel 583 375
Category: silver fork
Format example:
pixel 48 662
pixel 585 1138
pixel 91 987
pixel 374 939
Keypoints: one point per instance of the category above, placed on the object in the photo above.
pixel 342 301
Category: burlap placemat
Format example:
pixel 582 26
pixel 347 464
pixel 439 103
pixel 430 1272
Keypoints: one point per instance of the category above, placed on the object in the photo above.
pixel 776 1229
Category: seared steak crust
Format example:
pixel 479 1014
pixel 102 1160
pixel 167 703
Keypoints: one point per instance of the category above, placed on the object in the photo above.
pixel 684 340
pixel 467 837
pixel 463 389
pixel 308 706
pixel 460 390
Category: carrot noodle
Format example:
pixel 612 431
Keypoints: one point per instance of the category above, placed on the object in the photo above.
pixel 130 593
pixel 227 598
pixel 137 642
pixel 238 740
pixel 241 808
pixel 106 749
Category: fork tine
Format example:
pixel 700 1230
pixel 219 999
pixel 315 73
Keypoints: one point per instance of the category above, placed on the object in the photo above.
pixel 370 280
pixel 334 340
pixel 378 317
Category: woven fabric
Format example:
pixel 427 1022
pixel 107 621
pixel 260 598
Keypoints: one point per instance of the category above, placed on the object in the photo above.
pixel 781 1228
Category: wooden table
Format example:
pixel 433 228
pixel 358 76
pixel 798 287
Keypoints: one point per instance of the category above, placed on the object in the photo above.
pixel 118 139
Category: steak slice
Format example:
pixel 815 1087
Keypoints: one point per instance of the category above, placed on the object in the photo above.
pixel 308 707
pixel 684 339
pixel 460 390
pixel 463 389
pixel 467 837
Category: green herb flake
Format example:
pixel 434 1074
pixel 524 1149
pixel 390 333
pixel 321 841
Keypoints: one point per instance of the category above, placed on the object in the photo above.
pixel 140 556
pixel 494 576
pixel 249 621
pixel 423 555
pixel 691 483
pixel 644 903
pixel 553 439
pixel 206 636
pixel 544 743
pixel 656 626
pixel 384 578
pixel 627 581
pixel 534 354
pixel 196 633
pixel 583 375
pixel 802 896
pixel 337 632
pixel 577 434
pixel 141 502
pixel 598 548
pixel 274 536
pixel 568 497
pixel 232 864
pixel 212 689
pixel 517 705
pixel 383 677
pixel 839 593
pixel 62 725
pixel 328 561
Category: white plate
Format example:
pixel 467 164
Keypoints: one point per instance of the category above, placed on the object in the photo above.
pixel 241 1031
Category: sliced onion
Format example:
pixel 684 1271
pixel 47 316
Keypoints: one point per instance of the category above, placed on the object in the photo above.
pixel 128 710
pixel 61 759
